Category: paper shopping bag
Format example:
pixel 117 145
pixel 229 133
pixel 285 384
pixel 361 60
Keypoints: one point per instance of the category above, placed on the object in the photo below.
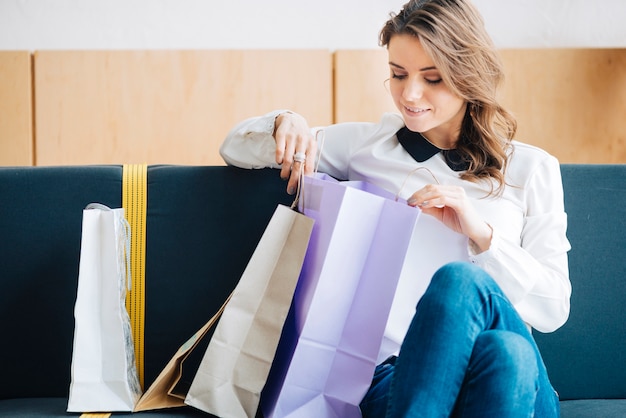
pixel 103 370
pixel 236 364
pixel 329 347
pixel 165 391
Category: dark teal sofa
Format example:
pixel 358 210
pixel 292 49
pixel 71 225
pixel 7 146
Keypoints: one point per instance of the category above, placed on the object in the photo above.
pixel 203 224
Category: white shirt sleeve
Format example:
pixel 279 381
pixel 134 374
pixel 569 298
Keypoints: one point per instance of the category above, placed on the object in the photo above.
pixel 251 144
pixel 533 273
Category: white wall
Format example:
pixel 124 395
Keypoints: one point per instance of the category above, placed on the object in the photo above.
pixel 286 24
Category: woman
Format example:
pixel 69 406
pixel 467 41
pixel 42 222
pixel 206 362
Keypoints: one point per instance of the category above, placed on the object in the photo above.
pixel 467 349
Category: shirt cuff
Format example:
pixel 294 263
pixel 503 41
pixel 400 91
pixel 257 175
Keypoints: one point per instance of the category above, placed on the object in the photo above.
pixel 480 258
pixel 264 125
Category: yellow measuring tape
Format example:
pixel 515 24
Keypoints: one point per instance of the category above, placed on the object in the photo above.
pixel 135 202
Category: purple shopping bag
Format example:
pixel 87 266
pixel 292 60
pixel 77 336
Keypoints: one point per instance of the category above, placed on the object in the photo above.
pixel 329 347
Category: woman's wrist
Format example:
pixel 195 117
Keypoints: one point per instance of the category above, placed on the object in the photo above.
pixel 482 242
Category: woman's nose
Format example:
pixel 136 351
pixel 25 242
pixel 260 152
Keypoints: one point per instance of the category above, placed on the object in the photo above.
pixel 413 90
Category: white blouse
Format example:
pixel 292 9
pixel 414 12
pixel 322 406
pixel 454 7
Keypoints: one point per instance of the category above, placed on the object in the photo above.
pixel 528 253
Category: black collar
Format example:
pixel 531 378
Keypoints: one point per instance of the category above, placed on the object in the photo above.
pixel 421 150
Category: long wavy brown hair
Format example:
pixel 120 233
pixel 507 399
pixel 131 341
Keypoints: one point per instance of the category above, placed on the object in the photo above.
pixel 453 34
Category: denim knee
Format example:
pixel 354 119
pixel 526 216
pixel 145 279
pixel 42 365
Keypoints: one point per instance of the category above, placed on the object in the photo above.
pixel 463 273
pixel 502 377
pixel 459 281
pixel 507 353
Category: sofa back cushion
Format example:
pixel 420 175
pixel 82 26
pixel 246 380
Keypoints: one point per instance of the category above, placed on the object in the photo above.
pixel 586 358
pixel 203 224
pixel 40 228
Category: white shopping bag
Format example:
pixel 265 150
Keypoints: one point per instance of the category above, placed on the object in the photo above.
pixel 103 372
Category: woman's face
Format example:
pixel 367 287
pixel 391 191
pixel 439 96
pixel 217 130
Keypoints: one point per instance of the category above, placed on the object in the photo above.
pixel 427 105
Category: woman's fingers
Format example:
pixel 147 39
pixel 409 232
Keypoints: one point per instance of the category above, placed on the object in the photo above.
pixel 295 148
pixel 430 195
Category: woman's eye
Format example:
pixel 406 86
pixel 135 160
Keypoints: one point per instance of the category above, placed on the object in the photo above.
pixel 433 81
pixel 398 76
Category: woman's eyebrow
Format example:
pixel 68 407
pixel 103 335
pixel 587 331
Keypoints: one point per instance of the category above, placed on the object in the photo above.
pixel 391 63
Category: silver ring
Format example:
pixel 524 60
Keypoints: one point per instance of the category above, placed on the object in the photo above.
pixel 299 157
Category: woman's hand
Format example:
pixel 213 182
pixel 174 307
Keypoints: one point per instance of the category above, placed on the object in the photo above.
pixel 293 136
pixel 451 206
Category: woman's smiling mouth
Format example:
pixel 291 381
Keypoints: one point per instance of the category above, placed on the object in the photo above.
pixel 415 110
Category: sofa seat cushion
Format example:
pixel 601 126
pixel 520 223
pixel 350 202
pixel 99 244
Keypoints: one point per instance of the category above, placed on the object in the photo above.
pixel 56 407
pixel 591 408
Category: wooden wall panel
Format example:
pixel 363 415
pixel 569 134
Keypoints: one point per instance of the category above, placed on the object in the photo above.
pixel 570 102
pixel 16 136
pixel 171 107
pixel 361 85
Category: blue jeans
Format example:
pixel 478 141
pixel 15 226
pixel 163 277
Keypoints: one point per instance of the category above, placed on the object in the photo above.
pixel 467 353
